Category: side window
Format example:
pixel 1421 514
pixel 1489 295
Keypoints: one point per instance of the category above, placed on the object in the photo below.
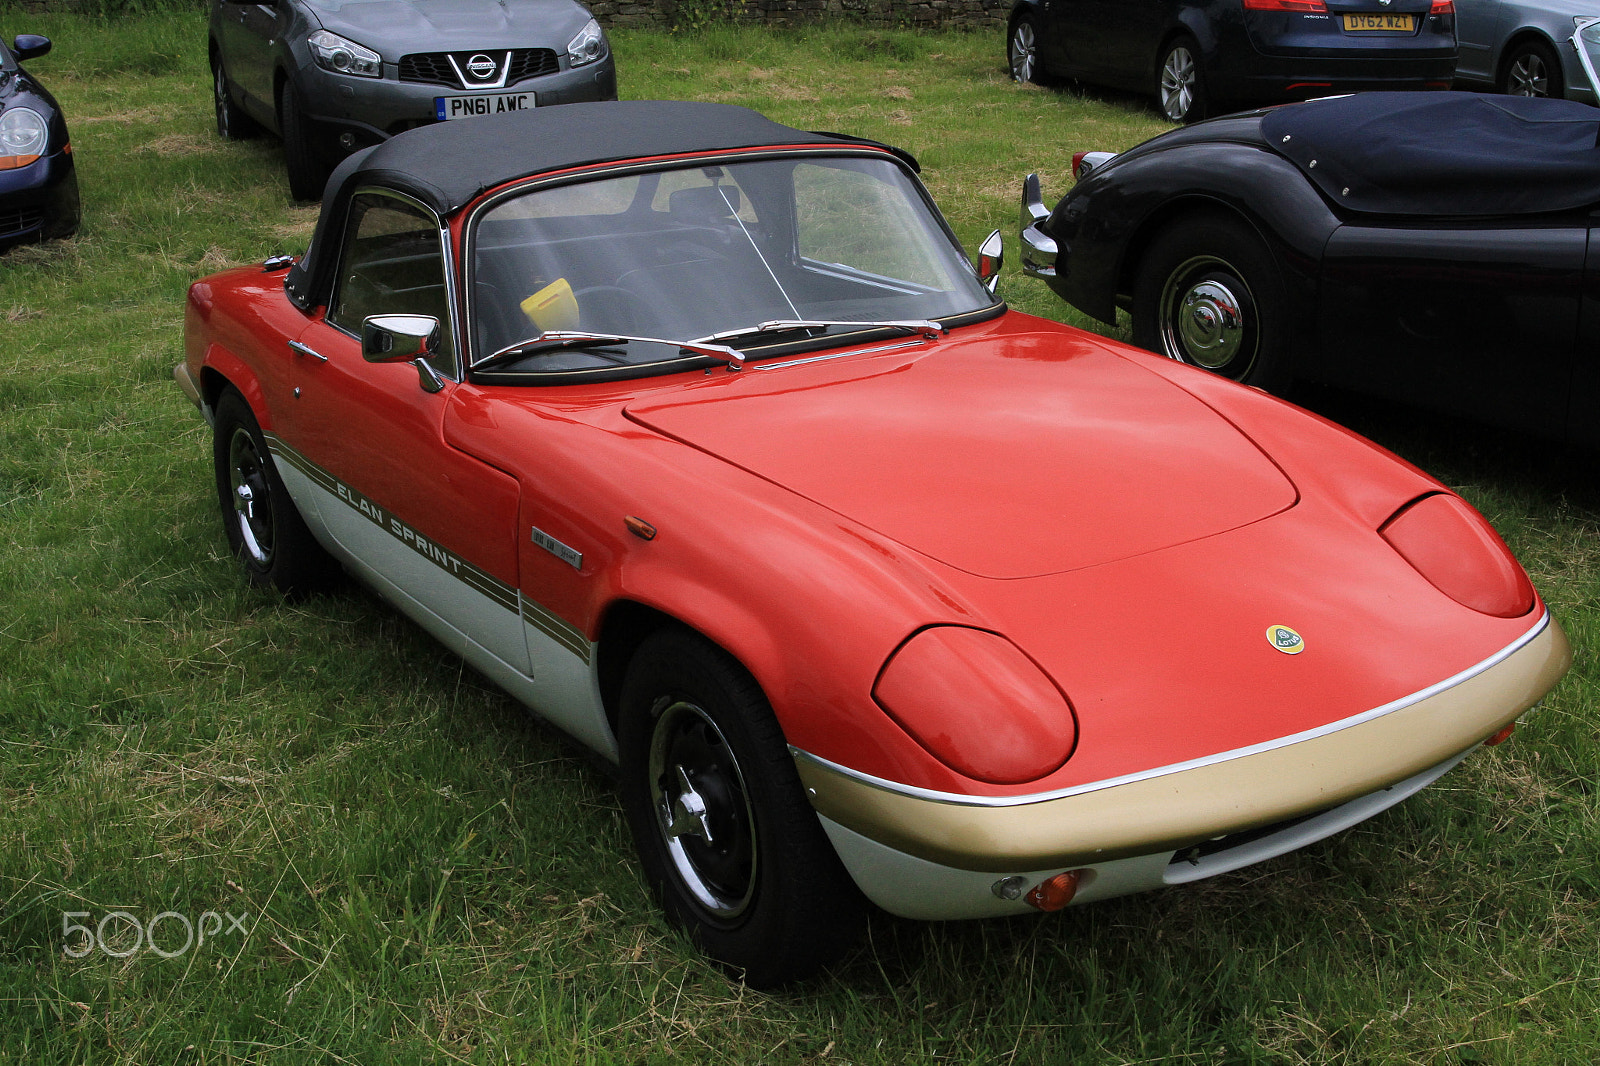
pixel 392 263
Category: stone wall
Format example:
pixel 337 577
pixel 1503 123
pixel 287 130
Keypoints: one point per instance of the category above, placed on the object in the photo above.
pixel 919 14
pixel 910 14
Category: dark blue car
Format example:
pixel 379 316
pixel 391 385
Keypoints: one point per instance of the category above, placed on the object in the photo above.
pixel 1200 57
pixel 38 184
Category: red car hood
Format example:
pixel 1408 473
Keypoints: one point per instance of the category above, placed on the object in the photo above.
pixel 1004 457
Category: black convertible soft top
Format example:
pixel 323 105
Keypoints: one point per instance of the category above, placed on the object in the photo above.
pixel 448 164
pixel 1443 153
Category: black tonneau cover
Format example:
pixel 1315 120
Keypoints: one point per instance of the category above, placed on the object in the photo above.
pixel 1443 153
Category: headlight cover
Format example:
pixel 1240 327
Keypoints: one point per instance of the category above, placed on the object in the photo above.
pixel 342 56
pixel 24 135
pixel 588 46
pixel 978 705
pixel 1460 554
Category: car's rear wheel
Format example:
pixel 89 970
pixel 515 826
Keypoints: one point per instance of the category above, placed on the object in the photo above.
pixel 725 835
pixel 1210 294
pixel 307 171
pixel 1180 86
pixel 232 122
pixel 263 528
pixel 1022 50
pixel 1531 69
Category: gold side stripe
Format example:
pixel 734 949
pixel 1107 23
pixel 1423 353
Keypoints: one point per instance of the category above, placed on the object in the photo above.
pixel 478 580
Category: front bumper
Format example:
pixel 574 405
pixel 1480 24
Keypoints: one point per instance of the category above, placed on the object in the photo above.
pixel 1128 829
pixel 371 110
pixel 39 201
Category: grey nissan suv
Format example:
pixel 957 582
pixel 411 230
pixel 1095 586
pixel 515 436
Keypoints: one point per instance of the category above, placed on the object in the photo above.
pixel 332 76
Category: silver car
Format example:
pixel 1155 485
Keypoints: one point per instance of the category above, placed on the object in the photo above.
pixel 331 76
pixel 1522 47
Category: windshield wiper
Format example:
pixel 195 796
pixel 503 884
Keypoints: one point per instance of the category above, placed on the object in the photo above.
pixel 927 327
pixel 558 339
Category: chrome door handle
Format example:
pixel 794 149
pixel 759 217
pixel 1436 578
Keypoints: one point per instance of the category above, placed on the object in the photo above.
pixel 305 349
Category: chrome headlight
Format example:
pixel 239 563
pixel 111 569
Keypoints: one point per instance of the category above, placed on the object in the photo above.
pixel 588 46
pixel 341 56
pixel 23 136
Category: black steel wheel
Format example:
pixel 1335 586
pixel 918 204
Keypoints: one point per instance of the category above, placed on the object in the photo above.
pixel 308 173
pixel 232 122
pixel 263 528
pixel 1531 68
pixel 1022 50
pixel 1180 87
pixel 1210 294
pixel 726 837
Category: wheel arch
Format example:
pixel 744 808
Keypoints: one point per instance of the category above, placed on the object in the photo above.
pixel 1188 205
pixel 1525 35
pixel 223 370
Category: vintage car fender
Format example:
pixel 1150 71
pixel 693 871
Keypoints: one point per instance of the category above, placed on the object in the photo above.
pixel 1103 228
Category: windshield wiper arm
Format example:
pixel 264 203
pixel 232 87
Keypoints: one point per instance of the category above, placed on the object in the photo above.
pixel 553 339
pixel 925 326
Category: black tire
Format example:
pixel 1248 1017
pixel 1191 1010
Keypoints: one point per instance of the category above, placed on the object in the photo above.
pixel 1531 68
pixel 264 530
pixel 726 837
pixel 1209 293
pixel 1022 51
pixel 232 122
pixel 1180 85
pixel 308 173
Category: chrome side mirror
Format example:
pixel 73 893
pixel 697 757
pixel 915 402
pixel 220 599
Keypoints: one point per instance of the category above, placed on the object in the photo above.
pixel 403 339
pixel 1039 251
pixel 991 255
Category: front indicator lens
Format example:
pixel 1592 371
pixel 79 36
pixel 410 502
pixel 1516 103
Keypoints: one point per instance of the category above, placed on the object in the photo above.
pixel 23 136
pixel 978 705
pixel 1054 893
pixel 588 46
pixel 342 56
pixel 1460 554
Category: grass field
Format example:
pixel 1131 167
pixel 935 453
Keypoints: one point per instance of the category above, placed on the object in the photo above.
pixel 390 862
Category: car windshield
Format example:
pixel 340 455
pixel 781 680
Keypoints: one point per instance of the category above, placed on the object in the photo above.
pixel 763 256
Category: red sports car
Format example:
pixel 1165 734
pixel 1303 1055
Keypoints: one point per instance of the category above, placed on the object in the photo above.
pixel 700 435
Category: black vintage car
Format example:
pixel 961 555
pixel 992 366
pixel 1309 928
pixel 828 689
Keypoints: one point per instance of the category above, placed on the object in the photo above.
pixel 1435 248
pixel 38 183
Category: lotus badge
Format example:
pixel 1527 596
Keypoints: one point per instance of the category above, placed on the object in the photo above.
pixel 1285 640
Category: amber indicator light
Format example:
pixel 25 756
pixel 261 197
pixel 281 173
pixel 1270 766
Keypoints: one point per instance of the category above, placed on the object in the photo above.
pixel 1053 893
pixel 640 528
pixel 1500 737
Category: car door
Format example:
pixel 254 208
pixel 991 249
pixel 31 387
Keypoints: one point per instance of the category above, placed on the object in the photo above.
pixel 1481 27
pixel 1480 319
pixel 432 527
pixel 1583 405
pixel 246 33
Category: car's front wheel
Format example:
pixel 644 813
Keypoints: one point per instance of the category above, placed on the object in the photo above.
pixel 1209 293
pixel 307 171
pixel 1022 50
pixel 1180 85
pixel 232 122
pixel 725 834
pixel 1531 69
pixel 264 530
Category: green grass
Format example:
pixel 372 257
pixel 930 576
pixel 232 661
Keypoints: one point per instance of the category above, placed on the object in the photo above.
pixel 423 874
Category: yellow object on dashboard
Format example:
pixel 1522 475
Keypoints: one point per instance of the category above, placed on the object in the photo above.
pixel 552 307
